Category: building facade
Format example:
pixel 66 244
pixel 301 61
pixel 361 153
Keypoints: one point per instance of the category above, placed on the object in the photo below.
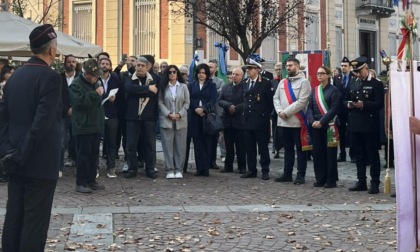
pixel 134 27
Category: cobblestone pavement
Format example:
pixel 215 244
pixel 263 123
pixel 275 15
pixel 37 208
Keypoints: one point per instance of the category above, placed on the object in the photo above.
pixel 223 213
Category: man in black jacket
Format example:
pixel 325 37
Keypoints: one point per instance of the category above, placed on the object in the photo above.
pixel 364 98
pixel 231 100
pixel 68 140
pixel 343 82
pixel 141 115
pixel 34 104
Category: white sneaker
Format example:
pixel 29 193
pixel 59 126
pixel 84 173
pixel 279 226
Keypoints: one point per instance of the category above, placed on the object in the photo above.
pixel 170 175
pixel 60 174
pixel 178 174
pixel 97 173
pixel 69 163
pixel 111 173
pixel 125 167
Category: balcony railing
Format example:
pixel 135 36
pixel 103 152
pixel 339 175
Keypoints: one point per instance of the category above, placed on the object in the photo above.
pixel 382 8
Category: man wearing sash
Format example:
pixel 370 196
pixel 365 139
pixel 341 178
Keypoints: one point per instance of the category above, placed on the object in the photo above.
pixel 290 102
pixel 364 98
pixel 258 104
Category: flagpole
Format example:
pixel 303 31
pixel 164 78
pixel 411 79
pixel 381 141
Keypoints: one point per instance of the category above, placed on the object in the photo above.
pixel 412 136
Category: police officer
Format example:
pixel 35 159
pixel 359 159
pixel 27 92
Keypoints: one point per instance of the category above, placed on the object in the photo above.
pixel 342 82
pixel 258 105
pixel 364 98
pixel 34 105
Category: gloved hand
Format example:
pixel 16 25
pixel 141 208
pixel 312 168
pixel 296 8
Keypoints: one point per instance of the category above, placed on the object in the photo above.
pixel 8 165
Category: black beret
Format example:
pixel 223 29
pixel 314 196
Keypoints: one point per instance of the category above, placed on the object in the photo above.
pixel 358 63
pixel 91 66
pixel 42 35
pixel 345 60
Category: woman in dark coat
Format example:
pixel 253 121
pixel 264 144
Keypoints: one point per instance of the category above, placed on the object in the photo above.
pixel 203 96
pixel 322 110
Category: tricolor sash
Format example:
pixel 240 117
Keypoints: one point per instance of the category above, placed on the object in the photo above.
pixel 332 132
pixel 305 137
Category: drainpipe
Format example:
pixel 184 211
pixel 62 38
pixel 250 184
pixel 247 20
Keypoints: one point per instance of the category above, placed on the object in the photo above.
pixel 119 41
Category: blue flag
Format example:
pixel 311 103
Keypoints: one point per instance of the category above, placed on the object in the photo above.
pixel 222 69
pixel 192 68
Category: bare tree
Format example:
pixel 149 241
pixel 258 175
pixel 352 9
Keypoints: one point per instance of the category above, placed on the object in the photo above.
pixel 243 23
pixel 48 14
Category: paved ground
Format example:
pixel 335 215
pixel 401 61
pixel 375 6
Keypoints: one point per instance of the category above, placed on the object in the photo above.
pixel 220 213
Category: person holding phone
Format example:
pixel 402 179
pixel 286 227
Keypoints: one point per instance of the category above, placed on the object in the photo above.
pixel 364 99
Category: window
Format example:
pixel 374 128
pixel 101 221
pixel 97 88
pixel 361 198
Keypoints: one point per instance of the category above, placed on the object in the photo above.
pixel 82 21
pixel 392 45
pixel 312 32
pixel 269 50
pixel 338 45
pixel 144 27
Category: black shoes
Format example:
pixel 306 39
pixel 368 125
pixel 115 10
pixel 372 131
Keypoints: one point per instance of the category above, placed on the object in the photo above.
pixel 130 175
pixel 341 159
pixel 151 175
pixel 249 175
pixel 202 173
pixel 319 184
pixel 330 185
pixel 96 186
pixel 284 178
pixel 277 156
pixel 225 170
pixel 359 186
pixel 214 166
pixel 242 171
pixel 299 180
pixel 374 188
pixel 265 176
pixel 83 189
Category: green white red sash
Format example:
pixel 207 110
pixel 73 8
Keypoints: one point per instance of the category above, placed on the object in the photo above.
pixel 305 137
pixel 332 132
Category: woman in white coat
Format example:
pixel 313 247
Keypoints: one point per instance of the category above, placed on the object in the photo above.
pixel 174 100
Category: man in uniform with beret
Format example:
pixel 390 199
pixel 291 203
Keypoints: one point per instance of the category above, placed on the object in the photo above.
pixel 364 98
pixel 258 104
pixel 342 82
pixel 34 105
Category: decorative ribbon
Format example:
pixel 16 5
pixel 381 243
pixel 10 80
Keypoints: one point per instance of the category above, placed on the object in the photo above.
pixel 332 131
pixel 305 137
pixel 409 26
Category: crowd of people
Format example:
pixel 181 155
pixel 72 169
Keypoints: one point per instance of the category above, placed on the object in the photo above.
pixel 152 101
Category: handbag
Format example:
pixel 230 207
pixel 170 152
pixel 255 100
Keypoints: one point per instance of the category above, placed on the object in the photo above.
pixel 212 123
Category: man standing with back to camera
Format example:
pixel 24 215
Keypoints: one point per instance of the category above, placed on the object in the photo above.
pixel 34 104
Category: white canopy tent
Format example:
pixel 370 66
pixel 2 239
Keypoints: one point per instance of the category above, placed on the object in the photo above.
pixel 14 39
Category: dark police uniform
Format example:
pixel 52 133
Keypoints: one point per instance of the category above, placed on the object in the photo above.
pixel 343 83
pixel 34 103
pixel 258 105
pixel 364 126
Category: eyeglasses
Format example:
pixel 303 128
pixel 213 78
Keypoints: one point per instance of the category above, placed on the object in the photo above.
pixel 344 65
pixel 320 73
pixel 172 72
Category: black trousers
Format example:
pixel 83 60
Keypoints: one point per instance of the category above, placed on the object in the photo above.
pixel 110 136
pixel 147 131
pixel 214 142
pixel 366 142
pixel 291 138
pixel 342 131
pixel 88 158
pixel 325 158
pixel 28 214
pixel 121 136
pixel 261 138
pixel 202 153
pixel 234 139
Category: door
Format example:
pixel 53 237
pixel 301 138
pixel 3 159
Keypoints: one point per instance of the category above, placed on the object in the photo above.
pixel 367 46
